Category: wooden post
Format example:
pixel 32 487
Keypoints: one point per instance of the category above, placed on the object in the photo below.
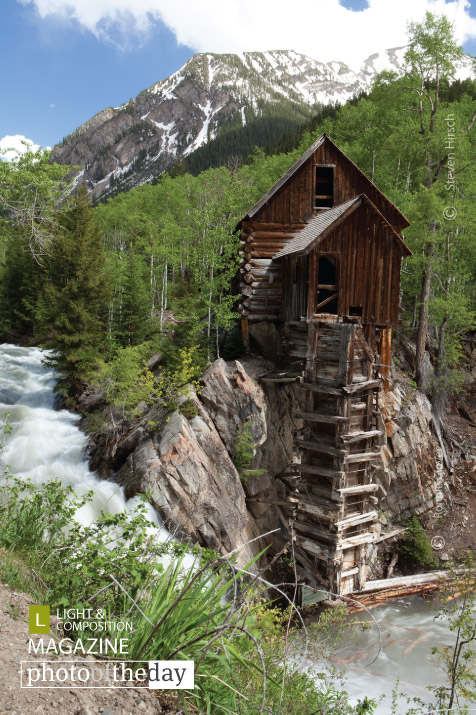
pixel 245 335
pixel 386 356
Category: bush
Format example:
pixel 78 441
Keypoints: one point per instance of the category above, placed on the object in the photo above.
pixel 417 545
pixel 126 380
pixel 243 453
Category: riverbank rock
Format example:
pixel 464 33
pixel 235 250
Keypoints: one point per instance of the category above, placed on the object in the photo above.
pixel 184 461
pixel 411 472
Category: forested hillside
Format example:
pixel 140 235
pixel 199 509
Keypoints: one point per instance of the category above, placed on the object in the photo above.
pixel 101 284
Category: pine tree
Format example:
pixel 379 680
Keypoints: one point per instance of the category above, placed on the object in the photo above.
pixel 74 303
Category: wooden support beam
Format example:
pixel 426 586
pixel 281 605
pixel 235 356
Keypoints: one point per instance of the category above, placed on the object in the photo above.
pixel 358 406
pixel 321 552
pixel 321 512
pixel 355 520
pixel 361 386
pixel 321 471
pixel 319 417
pixel 352 437
pixel 402 581
pixel 362 457
pixel 360 489
pixel 366 538
pixel 350 572
pixel 318 445
pixel 323 389
pixel 328 537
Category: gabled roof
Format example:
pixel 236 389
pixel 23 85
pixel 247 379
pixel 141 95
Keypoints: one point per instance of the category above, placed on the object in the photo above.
pixel 329 219
pixel 297 165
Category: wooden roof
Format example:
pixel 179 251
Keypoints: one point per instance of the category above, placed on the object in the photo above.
pixel 329 219
pixel 292 170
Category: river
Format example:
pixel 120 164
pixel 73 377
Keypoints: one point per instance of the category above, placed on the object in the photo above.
pixel 46 444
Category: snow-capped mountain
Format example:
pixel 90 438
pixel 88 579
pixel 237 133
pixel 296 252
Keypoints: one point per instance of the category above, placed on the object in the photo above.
pixel 210 95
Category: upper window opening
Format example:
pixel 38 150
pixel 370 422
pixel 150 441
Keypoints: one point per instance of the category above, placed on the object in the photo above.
pixel 324 193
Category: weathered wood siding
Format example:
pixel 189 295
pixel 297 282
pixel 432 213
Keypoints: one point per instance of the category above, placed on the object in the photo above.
pixel 293 203
pixel 368 264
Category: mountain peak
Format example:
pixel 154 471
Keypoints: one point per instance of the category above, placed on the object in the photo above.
pixel 261 93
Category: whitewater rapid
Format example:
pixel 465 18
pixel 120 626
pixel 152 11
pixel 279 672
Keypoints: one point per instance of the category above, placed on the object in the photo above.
pixel 46 444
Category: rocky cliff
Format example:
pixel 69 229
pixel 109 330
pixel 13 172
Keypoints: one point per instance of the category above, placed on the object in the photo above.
pixel 184 460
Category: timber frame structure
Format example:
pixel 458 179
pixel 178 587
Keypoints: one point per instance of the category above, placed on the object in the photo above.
pixel 321 260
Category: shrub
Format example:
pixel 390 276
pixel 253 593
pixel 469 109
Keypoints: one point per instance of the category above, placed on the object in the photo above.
pixel 243 453
pixel 417 544
pixel 188 409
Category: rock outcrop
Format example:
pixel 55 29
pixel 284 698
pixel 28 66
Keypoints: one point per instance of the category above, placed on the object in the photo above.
pixel 411 471
pixel 184 461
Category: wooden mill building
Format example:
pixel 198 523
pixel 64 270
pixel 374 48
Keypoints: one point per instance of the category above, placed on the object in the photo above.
pixel 321 260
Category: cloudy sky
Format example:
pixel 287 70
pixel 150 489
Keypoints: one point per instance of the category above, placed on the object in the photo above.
pixel 64 60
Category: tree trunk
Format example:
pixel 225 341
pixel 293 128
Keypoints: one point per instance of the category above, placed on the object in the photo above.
pixel 423 319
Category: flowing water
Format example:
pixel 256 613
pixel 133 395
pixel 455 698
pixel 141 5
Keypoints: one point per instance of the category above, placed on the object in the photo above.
pixel 46 444
pixel 400 648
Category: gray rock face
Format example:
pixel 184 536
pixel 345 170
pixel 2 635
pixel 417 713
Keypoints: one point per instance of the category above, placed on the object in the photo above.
pixel 186 465
pixel 411 472
pixel 192 482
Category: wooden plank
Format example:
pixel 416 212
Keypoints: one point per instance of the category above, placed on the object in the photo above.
pixel 324 389
pixel 312 284
pixel 361 386
pixel 353 437
pixel 321 512
pixel 361 457
pixel 319 417
pixel 360 489
pixel 321 471
pixel 402 581
pixel 350 572
pixel 355 520
pixel 318 445
pixel 316 549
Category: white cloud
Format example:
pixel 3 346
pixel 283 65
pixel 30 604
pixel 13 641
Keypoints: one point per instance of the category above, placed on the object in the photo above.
pixel 322 29
pixel 12 146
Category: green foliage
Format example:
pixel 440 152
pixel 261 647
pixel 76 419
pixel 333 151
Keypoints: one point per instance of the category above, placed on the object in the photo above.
pixel 188 409
pixel 30 517
pixel 126 381
pixel 73 303
pixel 244 451
pixel 417 546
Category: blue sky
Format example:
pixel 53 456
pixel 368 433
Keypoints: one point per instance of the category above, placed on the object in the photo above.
pixel 63 61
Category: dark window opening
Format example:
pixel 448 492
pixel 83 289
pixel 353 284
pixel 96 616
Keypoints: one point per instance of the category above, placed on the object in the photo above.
pixel 327 285
pixel 324 193
pixel 355 311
